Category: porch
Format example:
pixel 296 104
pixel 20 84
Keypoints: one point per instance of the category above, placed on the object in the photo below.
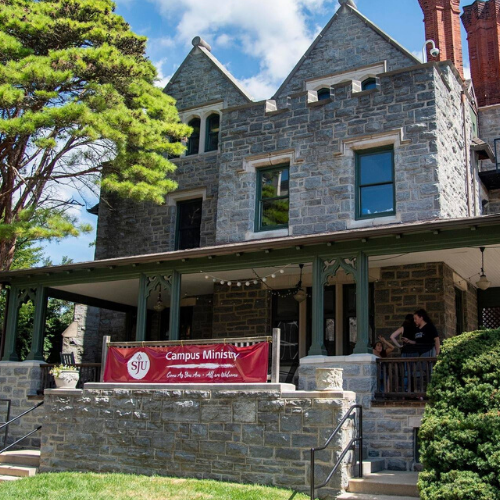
pixel 330 294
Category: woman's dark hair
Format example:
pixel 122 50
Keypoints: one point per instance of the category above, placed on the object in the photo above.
pixel 383 353
pixel 423 314
pixel 409 325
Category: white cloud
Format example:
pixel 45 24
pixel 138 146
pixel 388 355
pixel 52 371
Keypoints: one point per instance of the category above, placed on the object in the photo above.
pixel 161 79
pixel 467 75
pixel 275 32
pixel 224 40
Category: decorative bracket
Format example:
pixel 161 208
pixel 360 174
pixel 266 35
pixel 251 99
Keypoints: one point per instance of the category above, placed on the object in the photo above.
pixel 330 269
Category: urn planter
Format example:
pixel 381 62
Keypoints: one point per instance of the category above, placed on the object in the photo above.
pixel 67 379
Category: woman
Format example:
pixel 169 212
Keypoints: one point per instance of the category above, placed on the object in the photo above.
pixel 407 330
pixel 382 348
pixel 426 340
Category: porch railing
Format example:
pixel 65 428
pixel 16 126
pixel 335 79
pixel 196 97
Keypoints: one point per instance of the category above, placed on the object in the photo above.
pixel 403 378
pixel 89 372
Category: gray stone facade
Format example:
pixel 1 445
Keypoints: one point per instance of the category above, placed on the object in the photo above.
pixel 388 428
pixel 347 42
pixel 20 382
pixel 231 434
pixel 489 126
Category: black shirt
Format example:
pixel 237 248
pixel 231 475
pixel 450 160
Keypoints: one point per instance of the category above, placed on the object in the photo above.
pixel 409 333
pixel 424 337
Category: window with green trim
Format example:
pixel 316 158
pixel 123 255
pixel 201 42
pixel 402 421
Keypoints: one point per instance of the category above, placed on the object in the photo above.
pixel 193 145
pixel 375 195
pixel 272 198
pixel 212 137
pixel 188 224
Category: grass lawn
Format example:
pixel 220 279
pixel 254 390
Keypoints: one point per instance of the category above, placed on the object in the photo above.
pixel 80 486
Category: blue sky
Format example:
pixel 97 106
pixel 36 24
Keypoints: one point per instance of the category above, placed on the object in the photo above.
pixel 259 41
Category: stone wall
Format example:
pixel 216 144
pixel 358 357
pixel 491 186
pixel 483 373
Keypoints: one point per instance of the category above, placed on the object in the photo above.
pixel 450 146
pixel 322 174
pixel 402 290
pixel 241 311
pixel 388 428
pixel 348 43
pixel 128 228
pixel 202 326
pixel 489 129
pixel 19 382
pixel 493 206
pixel 82 337
pixel 238 434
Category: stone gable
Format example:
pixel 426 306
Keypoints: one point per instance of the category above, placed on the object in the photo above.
pixel 200 81
pixel 347 42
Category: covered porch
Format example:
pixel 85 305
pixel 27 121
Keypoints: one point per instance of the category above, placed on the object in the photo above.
pixel 330 294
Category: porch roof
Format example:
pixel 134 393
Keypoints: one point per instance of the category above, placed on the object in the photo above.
pixel 374 241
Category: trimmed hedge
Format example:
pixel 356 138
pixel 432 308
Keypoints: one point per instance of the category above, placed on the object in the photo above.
pixel 460 432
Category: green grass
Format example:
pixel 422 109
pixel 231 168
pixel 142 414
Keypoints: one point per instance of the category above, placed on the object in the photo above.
pixel 89 486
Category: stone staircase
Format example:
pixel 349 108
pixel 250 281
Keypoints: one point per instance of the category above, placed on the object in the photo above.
pixel 379 484
pixel 18 464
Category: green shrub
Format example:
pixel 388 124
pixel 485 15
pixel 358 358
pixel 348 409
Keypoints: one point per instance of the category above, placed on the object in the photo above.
pixel 460 433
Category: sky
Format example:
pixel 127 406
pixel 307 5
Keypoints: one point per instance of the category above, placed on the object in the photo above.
pixel 258 41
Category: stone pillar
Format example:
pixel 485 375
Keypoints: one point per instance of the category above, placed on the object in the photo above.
pixel 318 291
pixel 36 352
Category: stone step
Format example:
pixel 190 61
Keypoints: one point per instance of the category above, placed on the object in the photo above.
pixel 9 478
pixel 370 466
pixel 21 457
pixel 7 469
pixel 367 496
pixel 386 483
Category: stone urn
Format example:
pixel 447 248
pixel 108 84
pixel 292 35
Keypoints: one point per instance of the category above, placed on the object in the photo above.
pixel 67 379
pixel 329 379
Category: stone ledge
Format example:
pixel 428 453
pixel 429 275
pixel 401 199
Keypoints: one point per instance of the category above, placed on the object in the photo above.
pixel 289 388
pixel 63 392
pixel 353 358
pixel 404 402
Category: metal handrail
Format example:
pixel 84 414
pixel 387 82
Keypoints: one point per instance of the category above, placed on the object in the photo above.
pixel 6 424
pixel 9 403
pixel 352 444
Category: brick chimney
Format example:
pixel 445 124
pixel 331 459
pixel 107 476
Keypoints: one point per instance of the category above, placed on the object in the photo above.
pixel 442 24
pixel 482 23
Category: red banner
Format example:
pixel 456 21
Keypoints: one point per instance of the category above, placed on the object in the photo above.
pixel 217 363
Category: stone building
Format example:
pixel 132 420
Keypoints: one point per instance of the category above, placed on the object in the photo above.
pixel 364 189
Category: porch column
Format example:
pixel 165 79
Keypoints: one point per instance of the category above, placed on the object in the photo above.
pixel 36 352
pixel 362 305
pixel 318 293
pixel 142 309
pixel 11 325
pixel 175 305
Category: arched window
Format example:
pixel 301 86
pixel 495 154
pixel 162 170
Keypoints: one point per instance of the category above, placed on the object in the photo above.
pixel 368 84
pixel 323 93
pixel 193 145
pixel 212 137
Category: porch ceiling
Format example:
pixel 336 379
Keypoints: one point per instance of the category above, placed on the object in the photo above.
pixel 466 262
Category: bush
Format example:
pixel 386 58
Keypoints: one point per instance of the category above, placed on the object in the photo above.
pixel 460 433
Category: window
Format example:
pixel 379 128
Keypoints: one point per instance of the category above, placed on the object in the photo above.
pixel 323 93
pixel 188 224
pixel 193 145
pixel 375 183
pixel 272 198
pixel 368 84
pixel 213 128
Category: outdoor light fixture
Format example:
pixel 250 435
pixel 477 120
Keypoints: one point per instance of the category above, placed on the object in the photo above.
pixel 300 295
pixel 483 283
pixel 434 50
pixel 159 306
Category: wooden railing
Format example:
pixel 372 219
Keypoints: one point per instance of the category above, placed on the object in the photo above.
pixel 403 378
pixel 89 372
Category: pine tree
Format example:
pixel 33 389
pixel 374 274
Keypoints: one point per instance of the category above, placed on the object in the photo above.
pixel 77 96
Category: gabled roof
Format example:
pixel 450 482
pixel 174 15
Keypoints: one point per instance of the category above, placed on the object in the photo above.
pixel 350 6
pixel 200 46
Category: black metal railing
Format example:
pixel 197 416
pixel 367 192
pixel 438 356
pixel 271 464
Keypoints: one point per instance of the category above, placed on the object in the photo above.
pixel 403 378
pixel 6 425
pixel 358 438
pixel 89 372
pixel 7 417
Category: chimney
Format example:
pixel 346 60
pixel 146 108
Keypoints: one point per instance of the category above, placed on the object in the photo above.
pixel 442 24
pixel 482 23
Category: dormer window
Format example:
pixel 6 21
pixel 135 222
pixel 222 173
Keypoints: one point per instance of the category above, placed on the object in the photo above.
pixel 193 145
pixel 323 93
pixel 213 129
pixel 368 84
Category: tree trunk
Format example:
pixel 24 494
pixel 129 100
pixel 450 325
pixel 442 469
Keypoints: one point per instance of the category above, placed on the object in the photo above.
pixel 7 248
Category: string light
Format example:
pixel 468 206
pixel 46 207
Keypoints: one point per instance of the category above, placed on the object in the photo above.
pixel 256 281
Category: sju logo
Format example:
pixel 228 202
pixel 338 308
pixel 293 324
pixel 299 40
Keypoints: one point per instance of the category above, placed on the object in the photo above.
pixel 138 365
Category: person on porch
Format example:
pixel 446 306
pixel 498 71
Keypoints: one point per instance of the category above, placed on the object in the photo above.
pixel 426 337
